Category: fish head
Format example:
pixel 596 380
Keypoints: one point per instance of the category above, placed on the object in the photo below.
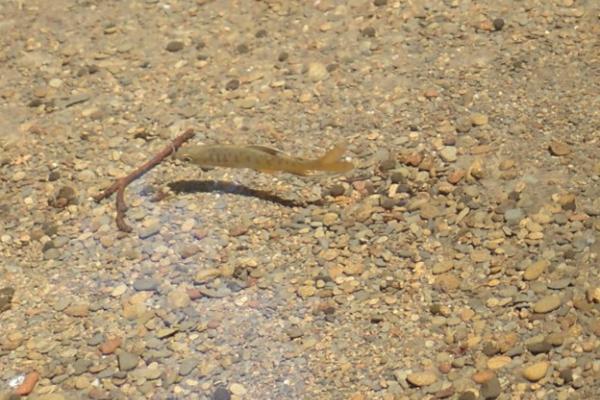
pixel 184 154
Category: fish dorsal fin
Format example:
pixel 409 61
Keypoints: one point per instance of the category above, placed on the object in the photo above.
pixel 265 149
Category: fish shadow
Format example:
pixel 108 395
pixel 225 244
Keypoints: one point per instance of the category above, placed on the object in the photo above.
pixel 215 186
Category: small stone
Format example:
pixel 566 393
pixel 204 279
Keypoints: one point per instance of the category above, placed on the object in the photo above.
pixel 189 250
pixel 109 346
pixel 483 376
pixel 535 270
pixel 498 24
pixel 448 153
pixel 498 362
pixel 149 373
pixel 431 93
pixel 505 165
pixel 128 361
pixel 538 347
pixel 149 230
pixel 559 149
pixel 455 176
pixel 28 384
pixel 317 71
pixel 592 294
pixel 537 371
pixel 491 389
pixel 547 304
pixel 513 216
pixel 163 333
pixel 187 366
pixel 55 83
pixel 208 274
pixel 221 393
pixel 423 378
pixel 337 190
pixel 242 48
pixel 369 31
pixel 6 296
pixel 478 119
pixel 237 389
pixel 442 267
pixel 380 3
pixel 174 46
pixel 119 290
pixel 78 310
pixel 294 332
pixel 81 382
pixel 144 284
pixel 178 298
pixel 448 282
pixel 306 291
pixel 232 84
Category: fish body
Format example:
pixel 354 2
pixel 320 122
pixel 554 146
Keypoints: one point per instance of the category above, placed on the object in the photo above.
pixel 263 159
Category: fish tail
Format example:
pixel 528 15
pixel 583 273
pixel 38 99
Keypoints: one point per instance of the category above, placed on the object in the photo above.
pixel 330 161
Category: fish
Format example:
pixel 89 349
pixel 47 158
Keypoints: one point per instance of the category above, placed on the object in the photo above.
pixel 264 159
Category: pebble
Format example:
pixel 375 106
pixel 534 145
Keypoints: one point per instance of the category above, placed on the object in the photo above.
pixel 513 216
pixel 149 230
pixel 128 361
pixel 178 298
pixel 537 371
pixel 6 296
pixel 547 304
pixel 143 284
pixel 317 71
pixel 221 393
pixel 28 384
pixel 442 267
pixel 498 24
pixel 208 274
pixel 536 269
pixel 559 148
pixel 78 310
pixel 187 366
pixel 483 376
pixel 423 378
pixel 449 154
pixel 237 389
pixel 498 362
pixel 109 346
pixel 491 389
pixel 538 347
pixel 479 119
pixel 306 291
pixel 174 46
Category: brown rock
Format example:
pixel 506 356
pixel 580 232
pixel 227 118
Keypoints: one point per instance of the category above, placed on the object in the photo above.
pixel 447 282
pixel 559 149
pixel 535 270
pixel 483 376
pixel 537 371
pixel 414 159
pixel 423 378
pixel 110 345
pixel 455 176
pixel 28 384
pixel 77 310
pixel 546 304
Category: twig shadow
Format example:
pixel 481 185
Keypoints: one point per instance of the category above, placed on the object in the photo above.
pixel 211 186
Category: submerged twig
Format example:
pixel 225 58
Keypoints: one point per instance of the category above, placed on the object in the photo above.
pixel 121 183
